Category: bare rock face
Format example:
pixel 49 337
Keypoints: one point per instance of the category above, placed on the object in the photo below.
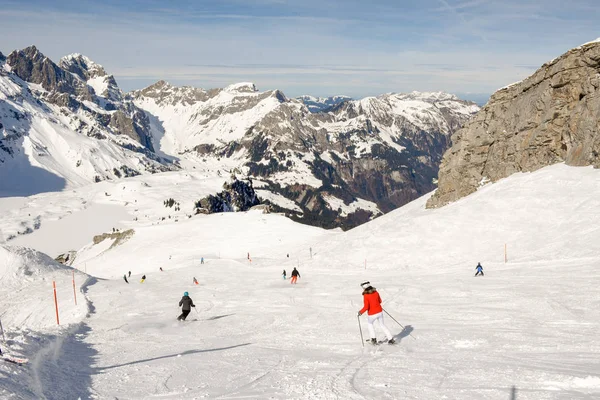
pixel 32 66
pixel 551 117
pixel 81 66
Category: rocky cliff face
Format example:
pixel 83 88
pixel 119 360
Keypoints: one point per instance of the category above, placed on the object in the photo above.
pixel 551 117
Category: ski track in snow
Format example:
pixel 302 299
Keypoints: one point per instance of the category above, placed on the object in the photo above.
pixel 531 323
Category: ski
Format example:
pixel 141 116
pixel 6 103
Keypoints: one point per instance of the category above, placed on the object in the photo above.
pixel 379 342
pixel 14 360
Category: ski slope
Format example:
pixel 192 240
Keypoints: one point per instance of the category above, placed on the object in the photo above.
pixel 530 323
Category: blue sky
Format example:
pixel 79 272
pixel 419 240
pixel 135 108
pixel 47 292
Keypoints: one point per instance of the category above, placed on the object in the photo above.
pixel 324 47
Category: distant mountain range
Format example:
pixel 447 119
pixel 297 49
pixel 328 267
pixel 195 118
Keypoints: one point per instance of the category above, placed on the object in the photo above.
pixel 324 161
pixel 321 104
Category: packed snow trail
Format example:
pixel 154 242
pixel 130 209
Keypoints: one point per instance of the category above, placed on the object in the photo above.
pixel 260 337
pixel 531 323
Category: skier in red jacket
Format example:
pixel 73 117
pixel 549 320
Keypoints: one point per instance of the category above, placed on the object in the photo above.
pixel 373 307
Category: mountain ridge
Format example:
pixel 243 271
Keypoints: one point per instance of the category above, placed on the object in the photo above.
pixel 382 150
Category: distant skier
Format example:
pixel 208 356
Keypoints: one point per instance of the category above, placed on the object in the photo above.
pixel 195 281
pixel 143 278
pixel 479 269
pixel 125 277
pixel 288 255
pixel 284 274
pixel 295 276
pixel 248 256
pixel 185 303
pixel 129 274
pixel 372 304
pixel 202 260
pixel 161 269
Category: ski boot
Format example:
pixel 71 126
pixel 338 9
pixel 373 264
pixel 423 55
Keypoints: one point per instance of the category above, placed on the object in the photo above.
pixel 373 341
pixel 391 341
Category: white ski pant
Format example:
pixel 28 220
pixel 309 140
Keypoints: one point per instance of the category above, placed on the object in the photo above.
pixel 378 317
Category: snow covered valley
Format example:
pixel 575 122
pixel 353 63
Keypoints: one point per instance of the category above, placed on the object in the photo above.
pixel 530 323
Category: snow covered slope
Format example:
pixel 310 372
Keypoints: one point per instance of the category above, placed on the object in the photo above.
pixel 29 321
pixel 63 221
pixel 530 323
pixel 26 278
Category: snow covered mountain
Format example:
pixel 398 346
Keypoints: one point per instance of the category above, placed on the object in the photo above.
pixel 340 167
pixel 69 124
pixel 320 104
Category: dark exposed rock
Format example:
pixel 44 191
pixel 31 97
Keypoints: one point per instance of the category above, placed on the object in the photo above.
pixel 67 258
pixel 32 66
pixel 81 66
pixel 236 196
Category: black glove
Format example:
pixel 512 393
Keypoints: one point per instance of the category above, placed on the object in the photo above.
pixel 359 313
pixel 193 305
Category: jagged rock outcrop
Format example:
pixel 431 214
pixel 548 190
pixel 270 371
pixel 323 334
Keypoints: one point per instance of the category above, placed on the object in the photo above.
pixel 238 195
pixel 32 66
pixel 552 116
pixel 81 66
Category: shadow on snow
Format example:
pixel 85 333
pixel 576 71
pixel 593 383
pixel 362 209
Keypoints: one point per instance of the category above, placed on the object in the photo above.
pixel 405 332
pixel 184 353
pixel 218 317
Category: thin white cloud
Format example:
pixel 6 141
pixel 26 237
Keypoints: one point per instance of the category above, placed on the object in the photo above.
pixel 471 46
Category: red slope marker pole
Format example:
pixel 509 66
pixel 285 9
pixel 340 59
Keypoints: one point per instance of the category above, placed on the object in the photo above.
pixel 55 302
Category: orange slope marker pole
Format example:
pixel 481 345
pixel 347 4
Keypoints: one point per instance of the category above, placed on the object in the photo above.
pixel 74 291
pixel 55 302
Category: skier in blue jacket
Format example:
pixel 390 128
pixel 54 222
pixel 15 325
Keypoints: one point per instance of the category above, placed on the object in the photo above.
pixel 479 269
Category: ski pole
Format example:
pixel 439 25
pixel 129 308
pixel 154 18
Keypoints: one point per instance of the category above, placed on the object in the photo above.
pixel 362 339
pixel 397 322
pixel 2 329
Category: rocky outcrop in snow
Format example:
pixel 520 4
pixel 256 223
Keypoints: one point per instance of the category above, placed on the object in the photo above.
pixel 550 117
pixel 32 66
pixel 237 195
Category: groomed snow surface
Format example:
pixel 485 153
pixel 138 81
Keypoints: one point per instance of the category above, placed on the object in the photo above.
pixel 531 323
